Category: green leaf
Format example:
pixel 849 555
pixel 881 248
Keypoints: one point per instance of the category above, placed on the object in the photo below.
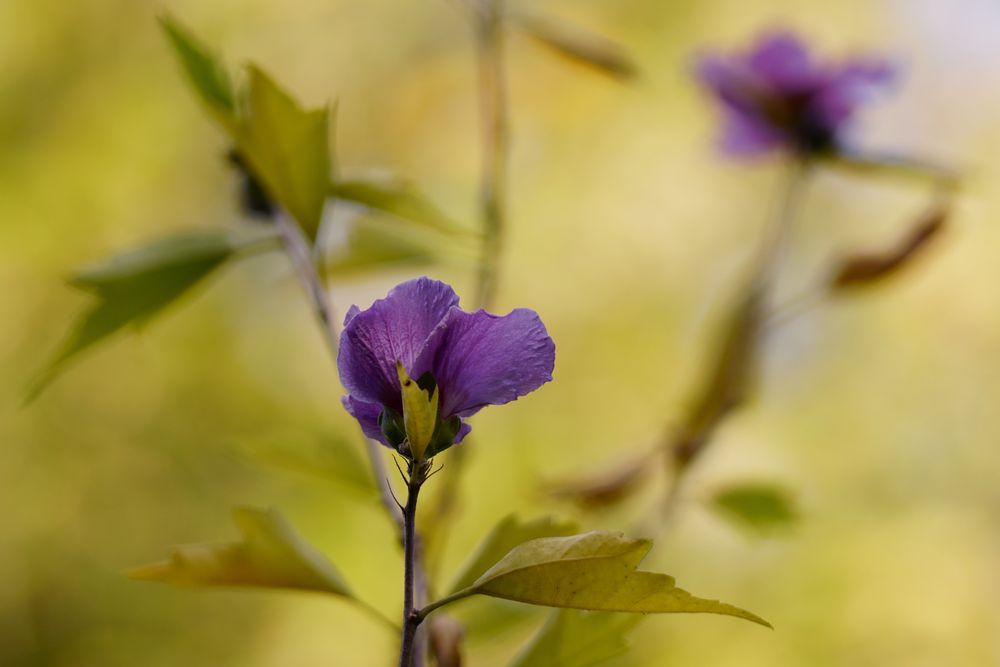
pixel 375 247
pixel 756 506
pixel 331 456
pixel 506 535
pixel 594 571
pixel 270 554
pixel 284 146
pixel 207 75
pixel 576 44
pixel 578 639
pixel 135 286
pixel 397 198
pixel 287 149
pixel 152 261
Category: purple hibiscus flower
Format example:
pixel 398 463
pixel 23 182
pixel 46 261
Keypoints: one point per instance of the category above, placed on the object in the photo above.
pixel 462 362
pixel 777 96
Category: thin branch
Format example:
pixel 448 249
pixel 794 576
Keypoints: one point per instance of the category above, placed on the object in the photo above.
pixel 495 141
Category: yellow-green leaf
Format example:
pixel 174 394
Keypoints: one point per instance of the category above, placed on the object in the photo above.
pixel 207 75
pixel 756 506
pixel 595 571
pixel 506 535
pixel 270 554
pixel 398 198
pixel 577 44
pixel 573 638
pixel 373 246
pixel 287 149
pixel 333 457
pixel 420 408
pixel 135 286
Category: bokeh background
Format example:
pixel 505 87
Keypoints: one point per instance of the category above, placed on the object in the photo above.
pixel 628 234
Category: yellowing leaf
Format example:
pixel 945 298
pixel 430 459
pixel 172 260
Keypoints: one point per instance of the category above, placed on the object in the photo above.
pixel 270 555
pixel 420 408
pixel 287 149
pixel 576 44
pixel 594 571
pixel 756 506
pixel 573 638
pixel 865 269
pixel 611 485
pixel 506 535
pixel 209 78
pixel 135 286
pixel 397 198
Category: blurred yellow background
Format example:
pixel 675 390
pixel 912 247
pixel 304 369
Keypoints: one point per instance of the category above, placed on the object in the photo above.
pixel 628 233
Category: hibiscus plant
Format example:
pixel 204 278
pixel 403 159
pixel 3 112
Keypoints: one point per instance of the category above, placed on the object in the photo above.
pixel 417 367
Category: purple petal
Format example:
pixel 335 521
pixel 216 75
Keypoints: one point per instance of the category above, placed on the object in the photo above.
pixel 351 312
pixel 745 136
pixel 782 61
pixel 851 86
pixel 394 328
pixel 367 415
pixel 481 359
pixel 730 82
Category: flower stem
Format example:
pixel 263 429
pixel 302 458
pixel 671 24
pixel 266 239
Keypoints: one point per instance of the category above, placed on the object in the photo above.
pixel 684 452
pixel 411 621
pixel 298 251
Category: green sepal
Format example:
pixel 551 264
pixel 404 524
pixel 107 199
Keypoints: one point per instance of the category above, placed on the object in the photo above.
pixel 391 424
pixel 444 435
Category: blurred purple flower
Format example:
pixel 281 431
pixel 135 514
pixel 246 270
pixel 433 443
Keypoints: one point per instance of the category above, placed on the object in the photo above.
pixel 777 96
pixel 474 359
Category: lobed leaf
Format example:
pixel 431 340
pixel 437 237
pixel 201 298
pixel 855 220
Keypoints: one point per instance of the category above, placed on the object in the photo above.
pixel 270 554
pixel 506 535
pixel 577 44
pixel 573 638
pixel 136 286
pixel 756 506
pixel 594 571
pixel 866 269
